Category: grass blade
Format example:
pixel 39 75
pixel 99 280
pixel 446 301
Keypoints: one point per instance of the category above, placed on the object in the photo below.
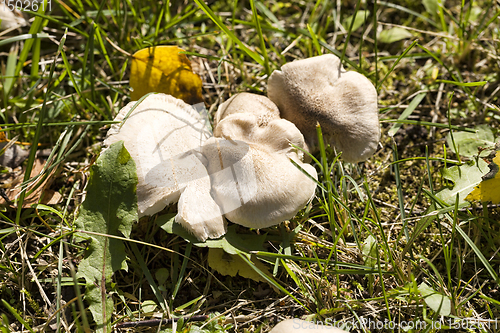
pixel 262 41
pixel 406 113
pixel 229 33
pixel 16 314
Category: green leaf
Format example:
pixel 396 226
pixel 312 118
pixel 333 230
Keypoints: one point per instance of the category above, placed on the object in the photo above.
pixel 438 303
pixel 224 252
pixel 431 6
pixel 8 81
pixel 162 275
pixel 148 306
pixel 489 188
pixel 475 14
pixel 468 143
pixel 231 242
pixel 369 250
pixel 360 18
pixel 110 208
pixel 465 178
pixel 393 35
pixel 233 264
pixel 100 305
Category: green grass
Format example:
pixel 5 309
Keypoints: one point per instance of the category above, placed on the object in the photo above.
pixel 358 252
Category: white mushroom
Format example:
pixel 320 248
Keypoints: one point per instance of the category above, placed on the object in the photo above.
pixel 198 212
pixel 10 18
pixel 245 175
pixel 344 103
pixel 253 180
pixel 248 103
pixel 302 326
pixel 163 135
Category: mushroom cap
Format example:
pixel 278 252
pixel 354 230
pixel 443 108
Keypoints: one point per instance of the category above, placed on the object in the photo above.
pixel 198 212
pixel 248 103
pixel 162 135
pixel 344 103
pixel 10 18
pixel 253 180
pixel 278 135
pixel 302 326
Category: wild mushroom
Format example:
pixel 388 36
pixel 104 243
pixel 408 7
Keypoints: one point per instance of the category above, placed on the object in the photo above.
pixel 10 18
pixel 344 103
pixel 163 134
pixel 302 326
pixel 248 103
pixel 245 175
pixel 253 180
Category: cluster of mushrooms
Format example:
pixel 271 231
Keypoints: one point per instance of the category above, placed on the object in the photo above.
pixel 244 171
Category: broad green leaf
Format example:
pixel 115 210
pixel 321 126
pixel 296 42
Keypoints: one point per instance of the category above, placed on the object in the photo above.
pixel 468 144
pixel 100 304
pixel 162 275
pixel 110 208
pixel 438 303
pixel 475 14
pixel 223 252
pixel 431 6
pixel 465 177
pixel 489 188
pixel 165 70
pixel 360 18
pixel 231 242
pixel 148 306
pixel 393 35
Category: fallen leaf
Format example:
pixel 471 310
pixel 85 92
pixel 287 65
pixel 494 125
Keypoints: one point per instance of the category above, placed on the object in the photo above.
pixel 12 155
pixel 163 69
pixel 489 188
pixel 47 196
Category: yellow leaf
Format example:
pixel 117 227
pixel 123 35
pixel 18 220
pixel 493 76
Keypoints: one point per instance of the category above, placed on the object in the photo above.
pixel 163 69
pixel 489 188
pixel 232 264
